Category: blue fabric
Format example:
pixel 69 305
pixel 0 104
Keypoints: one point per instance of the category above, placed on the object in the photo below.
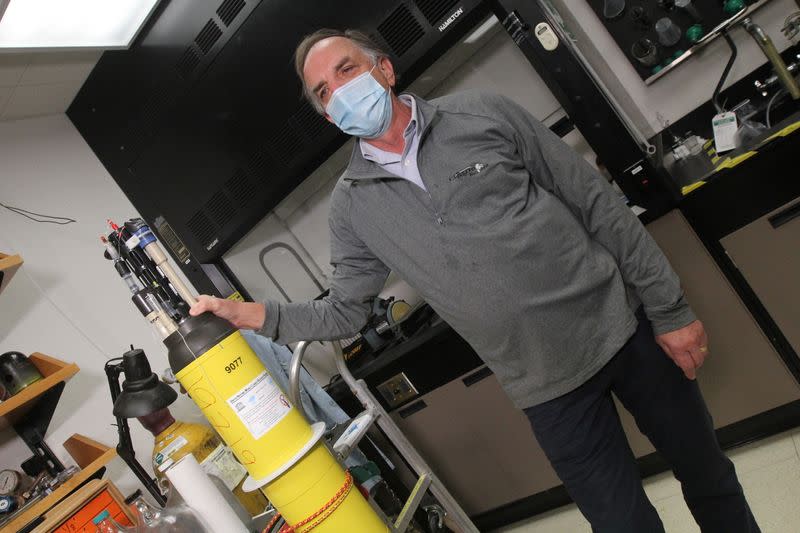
pixel 318 405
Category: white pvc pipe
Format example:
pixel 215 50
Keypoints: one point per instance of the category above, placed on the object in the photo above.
pixel 154 252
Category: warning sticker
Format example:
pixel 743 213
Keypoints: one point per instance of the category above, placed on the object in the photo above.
pixel 260 405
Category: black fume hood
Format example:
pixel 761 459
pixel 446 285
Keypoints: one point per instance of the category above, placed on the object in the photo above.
pixel 201 122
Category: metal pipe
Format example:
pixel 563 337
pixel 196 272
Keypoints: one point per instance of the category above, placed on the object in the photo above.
pixel 427 478
pixel 455 512
pixel 294 377
pixel 766 45
pixel 764 86
pixel 296 255
pixel 725 72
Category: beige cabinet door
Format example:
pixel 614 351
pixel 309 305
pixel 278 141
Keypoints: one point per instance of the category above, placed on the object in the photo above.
pixel 479 444
pixel 769 258
pixel 744 375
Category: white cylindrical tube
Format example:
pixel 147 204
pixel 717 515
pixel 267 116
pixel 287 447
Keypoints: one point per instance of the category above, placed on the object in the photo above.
pixel 159 318
pixel 203 496
pixel 154 251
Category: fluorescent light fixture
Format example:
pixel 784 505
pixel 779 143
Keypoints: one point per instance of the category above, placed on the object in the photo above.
pixel 53 24
pixel 481 30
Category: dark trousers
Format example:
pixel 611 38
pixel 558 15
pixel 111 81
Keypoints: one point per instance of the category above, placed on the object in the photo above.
pixel 582 437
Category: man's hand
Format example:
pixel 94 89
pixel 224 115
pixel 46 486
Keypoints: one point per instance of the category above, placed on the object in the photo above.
pixel 687 347
pixel 243 315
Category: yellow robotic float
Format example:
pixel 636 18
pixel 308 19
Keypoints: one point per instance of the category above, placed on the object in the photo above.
pixel 280 450
pixel 282 453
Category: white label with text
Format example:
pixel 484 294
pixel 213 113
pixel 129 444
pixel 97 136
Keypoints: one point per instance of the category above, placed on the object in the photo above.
pixel 260 405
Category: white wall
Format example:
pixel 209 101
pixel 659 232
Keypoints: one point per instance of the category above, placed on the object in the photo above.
pixel 684 88
pixel 66 300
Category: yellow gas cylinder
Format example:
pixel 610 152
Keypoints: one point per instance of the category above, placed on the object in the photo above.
pixel 280 450
pixel 175 439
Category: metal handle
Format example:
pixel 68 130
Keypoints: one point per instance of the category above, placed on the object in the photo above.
pixel 478 376
pixel 787 215
pixel 294 377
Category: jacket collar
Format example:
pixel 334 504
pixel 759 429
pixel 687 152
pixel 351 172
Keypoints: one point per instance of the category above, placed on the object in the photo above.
pixel 359 168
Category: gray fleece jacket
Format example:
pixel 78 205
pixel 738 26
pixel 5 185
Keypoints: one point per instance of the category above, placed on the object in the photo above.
pixel 522 247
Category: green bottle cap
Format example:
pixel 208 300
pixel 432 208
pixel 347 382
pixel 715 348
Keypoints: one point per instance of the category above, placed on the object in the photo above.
pixel 102 516
pixel 694 33
pixel 732 7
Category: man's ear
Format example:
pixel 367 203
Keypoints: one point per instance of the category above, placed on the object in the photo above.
pixel 385 64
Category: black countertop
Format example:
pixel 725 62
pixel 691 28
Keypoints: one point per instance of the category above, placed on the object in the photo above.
pixel 432 357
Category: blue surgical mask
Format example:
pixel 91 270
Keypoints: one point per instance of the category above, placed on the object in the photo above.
pixel 362 107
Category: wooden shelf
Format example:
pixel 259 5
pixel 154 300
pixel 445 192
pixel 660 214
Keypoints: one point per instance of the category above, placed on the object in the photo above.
pixel 54 372
pixel 82 449
pixel 8 267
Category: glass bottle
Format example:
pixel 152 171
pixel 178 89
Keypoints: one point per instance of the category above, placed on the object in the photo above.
pixel 106 524
pixel 174 439
pixel 175 517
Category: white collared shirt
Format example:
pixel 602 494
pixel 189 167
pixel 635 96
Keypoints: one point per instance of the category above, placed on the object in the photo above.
pixel 402 165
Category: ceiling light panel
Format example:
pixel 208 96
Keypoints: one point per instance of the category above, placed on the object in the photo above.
pixel 53 24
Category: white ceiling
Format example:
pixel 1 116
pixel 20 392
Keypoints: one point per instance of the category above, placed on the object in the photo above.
pixel 41 83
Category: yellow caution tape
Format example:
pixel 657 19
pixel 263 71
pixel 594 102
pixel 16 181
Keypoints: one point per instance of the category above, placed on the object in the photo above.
pixel 732 162
pixel 782 133
pixel 689 188
pixel 729 162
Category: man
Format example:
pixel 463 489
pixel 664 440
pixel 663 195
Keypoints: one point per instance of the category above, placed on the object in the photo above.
pixel 530 256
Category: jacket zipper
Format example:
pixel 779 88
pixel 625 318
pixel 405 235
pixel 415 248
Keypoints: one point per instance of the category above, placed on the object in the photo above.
pixel 438 217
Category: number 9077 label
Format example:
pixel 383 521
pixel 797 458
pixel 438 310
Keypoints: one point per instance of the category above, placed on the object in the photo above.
pixel 236 363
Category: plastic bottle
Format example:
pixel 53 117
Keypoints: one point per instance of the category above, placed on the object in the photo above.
pixel 174 439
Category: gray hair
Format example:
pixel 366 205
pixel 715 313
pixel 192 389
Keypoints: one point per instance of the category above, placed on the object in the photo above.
pixel 360 39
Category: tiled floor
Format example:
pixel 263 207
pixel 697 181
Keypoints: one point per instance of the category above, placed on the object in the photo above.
pixel 769 471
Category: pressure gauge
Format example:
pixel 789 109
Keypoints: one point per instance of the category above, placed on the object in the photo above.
pixel 9 481
pixel 13 482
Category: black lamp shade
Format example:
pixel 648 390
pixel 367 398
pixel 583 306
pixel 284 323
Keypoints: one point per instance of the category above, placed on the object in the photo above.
pixel 142 391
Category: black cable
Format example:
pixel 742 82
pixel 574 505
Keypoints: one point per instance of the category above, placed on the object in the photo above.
pixel 734 52
pixel 26 214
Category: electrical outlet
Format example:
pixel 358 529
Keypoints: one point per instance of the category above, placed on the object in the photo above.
pixel 397 389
